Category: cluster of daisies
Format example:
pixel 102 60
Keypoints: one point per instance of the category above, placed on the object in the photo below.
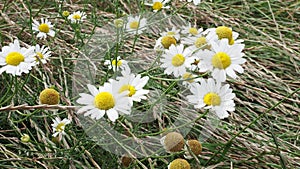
pixel 190 53
pixel 158 5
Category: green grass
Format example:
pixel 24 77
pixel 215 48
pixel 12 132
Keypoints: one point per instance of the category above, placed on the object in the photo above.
pixel 263 132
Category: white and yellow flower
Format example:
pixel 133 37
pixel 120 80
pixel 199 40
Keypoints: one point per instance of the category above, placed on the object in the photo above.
pixel 158 5
pixel 164 42
pixel 16 60
pixel 59 126
pixel 119 64
pixel 43 53
pixel 106 99
pixel 189 79
pixel 199 42
pixel 136 25
pixel 77 17
pixel 173 32
pixel 211 95
pixel 223 32
pixel 224 59
pixel 174 60
pixel 133 84
pixel 191 31
pixel 44 28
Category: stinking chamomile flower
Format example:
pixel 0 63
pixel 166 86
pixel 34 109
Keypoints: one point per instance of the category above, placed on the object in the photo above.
pixel 179 164
pixel 189 79
pixel 195 43
pixel 42 53
pixel 191 31
pixel 16 60
pixel 164 42
pixel 77 17
pixel 224 59
pixel 173 32
pixel 118 64
pixel 172 142
pixel 223 32
pixel 211 95
pixel 158 5
pixel 44 28
pixel 192 146
pixel 174 60
pixel 49 96
pixel 136 25
pixel 106 99
pixel 59 126
pixel 133 84
pixel 196 2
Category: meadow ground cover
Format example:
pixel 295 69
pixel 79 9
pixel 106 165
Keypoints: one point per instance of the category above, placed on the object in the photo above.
pixel 149 84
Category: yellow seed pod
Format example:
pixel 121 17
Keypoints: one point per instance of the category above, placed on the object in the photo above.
pixel 195 146
pixel 179 164
pixel 173 142
pixel 49 96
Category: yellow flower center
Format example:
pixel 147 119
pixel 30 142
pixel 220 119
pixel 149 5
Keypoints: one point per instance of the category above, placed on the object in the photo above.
pixel 44 28
pixel 49 96
pixel 188 76
pixel 225 32
pixel 171 33
pixel 66 13
pixel 212 99
pixel 130 88
pixel 134 25
pixel 167 41
pixel 76 17
pixel 119 63
pixel 179 164
pixel 60 127
pixel 40 55
pixel 193 31
pixel 104 101
pixel 14 58
pixel 157 5
pixel 200 42
pixel 221 60
pixel 178 60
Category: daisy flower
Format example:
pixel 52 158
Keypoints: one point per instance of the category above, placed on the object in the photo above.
pixel 191 31
pixel 106 99
pixel 173 32
pixel 179 164
pixel 120 64
pixel 213 96
pixel 43 29
pixel 196 2
pixel 16 60
pixel 136 25
pixel 77 17
pixel 199 42
pixel 189 79
pixel 164 42
pixel 223 32
pixel 158 5
pixel 58 126
pixel 174 60
pixel 223 59
pixel 42 53
pixel 133 84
